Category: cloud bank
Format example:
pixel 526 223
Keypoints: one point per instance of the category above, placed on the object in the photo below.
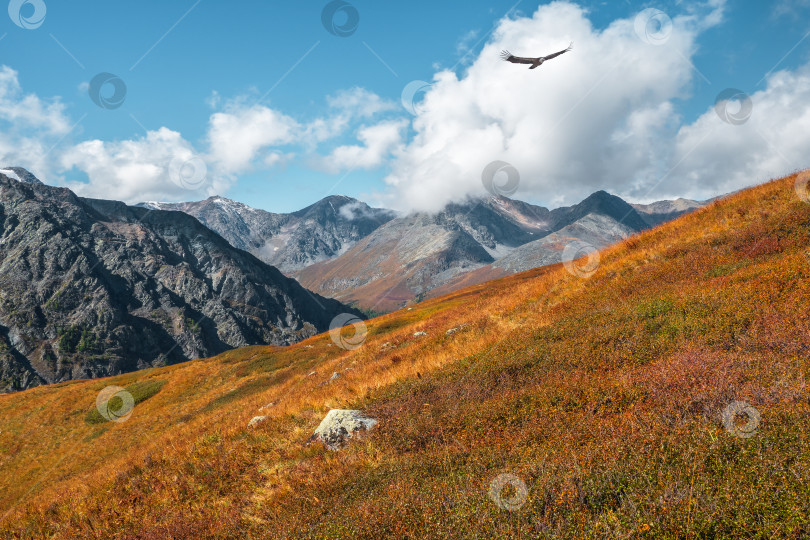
pixel 600 117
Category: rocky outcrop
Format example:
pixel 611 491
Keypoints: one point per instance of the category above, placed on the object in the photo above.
pixel 92 288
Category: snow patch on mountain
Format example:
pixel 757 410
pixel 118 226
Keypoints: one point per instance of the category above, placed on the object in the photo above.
pixel 11 174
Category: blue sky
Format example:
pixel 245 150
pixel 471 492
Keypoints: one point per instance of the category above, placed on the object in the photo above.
pixel 275 63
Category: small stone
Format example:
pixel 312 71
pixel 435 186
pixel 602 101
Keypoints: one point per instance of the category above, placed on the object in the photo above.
pixel 419 334
pixel 456 329
pixel 271 404
pixel 334 376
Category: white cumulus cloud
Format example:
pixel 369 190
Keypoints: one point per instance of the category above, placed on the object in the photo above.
pixel 594 118
pixel 377 143
pixel 28 110
pixel 30 126
pixel 160 166
pixel 714 156
pixel 239 134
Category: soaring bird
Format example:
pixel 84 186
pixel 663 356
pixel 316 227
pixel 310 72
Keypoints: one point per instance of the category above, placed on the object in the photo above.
pixel 535 62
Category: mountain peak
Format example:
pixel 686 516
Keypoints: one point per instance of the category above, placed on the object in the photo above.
pixel 602 202
pixel 221 200
pixel 335 201
pixel 340 207
pixel 20 174
pixel 600 195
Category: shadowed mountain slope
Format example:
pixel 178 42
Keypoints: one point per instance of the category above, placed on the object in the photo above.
pixel 91 288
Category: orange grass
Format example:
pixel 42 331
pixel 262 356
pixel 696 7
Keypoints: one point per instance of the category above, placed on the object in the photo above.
pixel 603 395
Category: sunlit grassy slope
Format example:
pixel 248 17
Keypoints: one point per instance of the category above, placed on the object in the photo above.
pixel 602 395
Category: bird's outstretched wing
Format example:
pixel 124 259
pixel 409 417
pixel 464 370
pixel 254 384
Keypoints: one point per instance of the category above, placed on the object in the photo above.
pixel 509 57
pixel 556 54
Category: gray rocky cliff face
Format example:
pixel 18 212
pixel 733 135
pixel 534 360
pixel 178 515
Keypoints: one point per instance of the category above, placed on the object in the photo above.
pixel 91 288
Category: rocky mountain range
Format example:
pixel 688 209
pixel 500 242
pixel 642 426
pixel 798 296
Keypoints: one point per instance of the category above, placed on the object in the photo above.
pixel 290 242
pixel 421 256
pixel 371 258
pixel 90 288
pixel 663 211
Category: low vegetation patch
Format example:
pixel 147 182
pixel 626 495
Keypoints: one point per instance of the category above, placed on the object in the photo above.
pixel 140 392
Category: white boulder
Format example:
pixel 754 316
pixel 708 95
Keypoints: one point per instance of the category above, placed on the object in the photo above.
pixel 256 420
pixel 339 425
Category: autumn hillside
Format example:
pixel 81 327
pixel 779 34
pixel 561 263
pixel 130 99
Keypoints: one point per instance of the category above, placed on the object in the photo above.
pixel 559 406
